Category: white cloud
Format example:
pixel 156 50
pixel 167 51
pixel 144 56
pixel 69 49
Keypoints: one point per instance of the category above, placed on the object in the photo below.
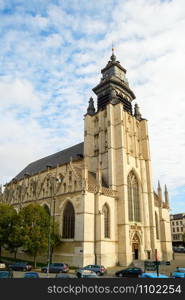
pixel 52 59
pixel 18 92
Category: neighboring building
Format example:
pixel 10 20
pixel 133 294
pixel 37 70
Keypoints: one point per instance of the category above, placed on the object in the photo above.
pixel 178 229
pixel 101 190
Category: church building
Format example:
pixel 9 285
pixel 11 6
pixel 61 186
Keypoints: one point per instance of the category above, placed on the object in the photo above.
pixel 101 190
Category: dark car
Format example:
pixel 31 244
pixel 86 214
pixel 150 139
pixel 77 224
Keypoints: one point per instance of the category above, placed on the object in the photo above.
pixel 6 274
pixel 56 268
pixel 31 275
pixel 129 272
pixel 179 249
pixel 99 270
pixel 20 266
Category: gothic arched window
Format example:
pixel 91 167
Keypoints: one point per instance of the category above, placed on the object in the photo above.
pixel 133 198
pixel 156 226
pixel 106 215
pixel 68 221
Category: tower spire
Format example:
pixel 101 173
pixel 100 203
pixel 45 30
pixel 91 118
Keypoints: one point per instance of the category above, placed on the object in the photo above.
pixel 166 196
pixel 159 191
pixel 114 78
pixel 91 108
pixel 137 113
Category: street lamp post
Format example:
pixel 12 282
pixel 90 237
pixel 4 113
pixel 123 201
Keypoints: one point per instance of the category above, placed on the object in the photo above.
pixel 49 243
pixel 53 222
pixel 49 232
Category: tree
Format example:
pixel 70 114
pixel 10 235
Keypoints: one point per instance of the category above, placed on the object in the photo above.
pixel 16 236
pixel 35 222
pixel 7 213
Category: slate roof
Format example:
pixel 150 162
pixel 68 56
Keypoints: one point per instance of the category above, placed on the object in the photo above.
pixel 59 158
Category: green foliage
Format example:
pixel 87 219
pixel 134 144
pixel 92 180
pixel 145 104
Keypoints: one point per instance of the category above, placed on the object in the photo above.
pixel 35 223
pixel 16 237
pixel 7 213
pixel 29 229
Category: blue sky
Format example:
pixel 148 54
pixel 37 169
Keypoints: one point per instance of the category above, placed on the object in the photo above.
pixel 51 55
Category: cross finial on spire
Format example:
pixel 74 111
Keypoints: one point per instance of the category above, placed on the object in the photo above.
pixel 113 57
pixel 112 48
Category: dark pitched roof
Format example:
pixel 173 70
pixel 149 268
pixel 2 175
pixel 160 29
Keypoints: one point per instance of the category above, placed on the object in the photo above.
pixel 59 158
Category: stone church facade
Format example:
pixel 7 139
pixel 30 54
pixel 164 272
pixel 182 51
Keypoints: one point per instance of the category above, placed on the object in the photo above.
pixel 101 191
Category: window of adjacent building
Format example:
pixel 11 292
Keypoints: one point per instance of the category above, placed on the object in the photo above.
pixel 157 226
pixel 133 198
pixel 106 214
pixel 180 222
pixel 172 223
pixel 177 223
pixel 68 221
pixel 177 229
pixel 182 229
pixel 176 236
pixel 173 229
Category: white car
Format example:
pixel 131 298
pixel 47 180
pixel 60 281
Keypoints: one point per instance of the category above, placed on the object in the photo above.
pixel 87 274
pixel 2 266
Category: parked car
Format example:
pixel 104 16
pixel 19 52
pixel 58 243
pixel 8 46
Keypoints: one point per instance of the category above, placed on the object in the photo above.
pixel 6 274
pixel 56 268
pixel 20 266
pixel 2 266
pixel 153 275
pixel 179 249
pixel 178 273
pixel 87 274
pixel 62 275
pixel 129 272
pixel 31 275
pixel 99 270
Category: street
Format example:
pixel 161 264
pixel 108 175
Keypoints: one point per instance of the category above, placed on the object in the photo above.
pixel 179 261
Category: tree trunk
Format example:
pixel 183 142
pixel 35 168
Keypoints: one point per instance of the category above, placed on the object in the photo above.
pixel 51 255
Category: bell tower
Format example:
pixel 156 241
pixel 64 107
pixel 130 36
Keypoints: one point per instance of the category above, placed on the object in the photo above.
pixel 114 86
pixel 102 133
pixel 116 139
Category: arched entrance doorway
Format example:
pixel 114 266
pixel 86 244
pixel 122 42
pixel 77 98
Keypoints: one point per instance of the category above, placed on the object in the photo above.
pixel 135 247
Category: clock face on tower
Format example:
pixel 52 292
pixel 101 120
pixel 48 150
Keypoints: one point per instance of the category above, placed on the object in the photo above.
pixel 119 73
pixel 114 71
pixel 109 73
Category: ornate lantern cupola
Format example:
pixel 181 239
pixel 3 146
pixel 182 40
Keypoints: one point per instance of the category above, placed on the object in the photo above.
pixel 114 82
pixel 91 108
